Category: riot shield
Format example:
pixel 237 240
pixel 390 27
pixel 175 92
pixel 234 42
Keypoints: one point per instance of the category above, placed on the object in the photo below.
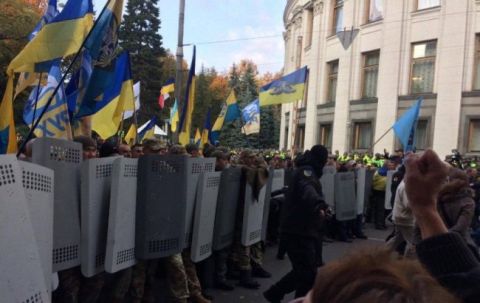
pixel 161 206
pixel 328 185
pixel 64 158
pixel 23 278
pixel 121 220
pixel 95 187
pixel 268 193
pixel 253 216
pixel 38 182
pixel 196 166
pixel 226 207
pixel 204 218
pixel 361 175
pixel 345 199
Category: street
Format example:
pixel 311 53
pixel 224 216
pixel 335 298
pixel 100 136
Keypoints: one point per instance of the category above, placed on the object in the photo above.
pixel 331 251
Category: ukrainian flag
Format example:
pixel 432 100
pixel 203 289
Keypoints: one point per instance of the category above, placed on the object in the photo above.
pixel 198 137
pixel 174 117
pixel 8 137
pixel 131 136
pixel 148 130
pixel 114 100
pixel 206 129
pixel 186 118
pixel 289 88
pixel 229 113
pixel 61 37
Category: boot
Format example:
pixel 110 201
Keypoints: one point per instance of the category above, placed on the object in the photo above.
pixel 259 272
pixel 198 298
pixel 247 281
pixel 272 295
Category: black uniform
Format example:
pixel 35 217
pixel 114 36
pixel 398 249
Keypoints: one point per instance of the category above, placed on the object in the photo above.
pixel 300 230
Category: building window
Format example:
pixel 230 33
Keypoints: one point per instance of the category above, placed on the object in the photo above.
pixel 298 63
pixel 474 136
pixel 325 135
pixel 332 81
pixel 374 10
pixel 337 25
pixel 423 67
pixel 370 74
pixel 424 4
pixel 309 33
pixel 421 135
pixel 362 135
pixel 476 81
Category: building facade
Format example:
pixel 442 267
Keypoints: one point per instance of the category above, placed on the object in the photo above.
pixel 369 60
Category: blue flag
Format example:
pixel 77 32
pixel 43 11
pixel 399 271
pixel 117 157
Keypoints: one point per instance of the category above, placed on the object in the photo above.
pixel 405 126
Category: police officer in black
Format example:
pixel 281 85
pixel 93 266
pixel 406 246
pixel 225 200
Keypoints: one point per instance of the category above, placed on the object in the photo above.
pixel 302 218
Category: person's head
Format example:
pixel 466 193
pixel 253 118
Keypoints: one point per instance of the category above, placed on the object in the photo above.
pixel 221 160
pixel 457 182
pixel 125 150
pixel 89 147
pixel 247 158
pixel 391 165
pixel 108 149
pixel 193 150
pixel 471 172
pixel 376 276
pixel 177 149
pixel 137 150
pixel 154 147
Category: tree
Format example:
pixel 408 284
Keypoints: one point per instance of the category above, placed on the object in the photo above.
pixel 139 35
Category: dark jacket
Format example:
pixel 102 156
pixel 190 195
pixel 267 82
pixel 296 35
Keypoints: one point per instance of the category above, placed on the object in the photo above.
pixel 303 202
pixel 452 263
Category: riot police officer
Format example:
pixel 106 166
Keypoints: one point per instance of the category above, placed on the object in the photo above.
pixel 301 223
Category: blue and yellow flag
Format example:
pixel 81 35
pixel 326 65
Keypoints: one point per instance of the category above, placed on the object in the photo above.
pixel 229 113
pixel 289 88
pixel 251 118
pixel 110 96
pixel 186 118
pixel 174 118
pixel 61 37
pixel 198 137
pixel 49 15
pixel 131 136
pixel 77 85
pixel 8 137
pixel 147 131
pixel 55 123
pixel 206 129
pixel 406 125
pixel 103 41
pixel 167 88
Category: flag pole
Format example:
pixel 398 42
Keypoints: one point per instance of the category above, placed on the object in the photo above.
pixel 381 137
pixel 63 78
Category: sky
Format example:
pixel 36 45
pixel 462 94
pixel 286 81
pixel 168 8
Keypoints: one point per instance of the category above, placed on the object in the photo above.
pixel 206 21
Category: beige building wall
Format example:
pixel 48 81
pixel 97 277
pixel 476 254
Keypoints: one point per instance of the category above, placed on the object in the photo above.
pixel 449 109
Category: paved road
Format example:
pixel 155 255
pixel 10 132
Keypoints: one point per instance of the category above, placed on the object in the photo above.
pixel 278 268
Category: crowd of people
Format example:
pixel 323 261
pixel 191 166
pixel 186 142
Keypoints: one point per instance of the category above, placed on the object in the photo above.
pixel 435 214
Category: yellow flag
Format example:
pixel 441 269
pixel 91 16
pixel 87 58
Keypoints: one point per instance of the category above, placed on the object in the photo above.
pixel 8 136
pixel 131 136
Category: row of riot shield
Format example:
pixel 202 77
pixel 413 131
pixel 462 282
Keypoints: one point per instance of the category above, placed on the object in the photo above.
pixel 347 192
pixel 104 214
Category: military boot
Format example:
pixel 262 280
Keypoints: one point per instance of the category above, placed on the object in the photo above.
pixel 198 298
pixel 247 281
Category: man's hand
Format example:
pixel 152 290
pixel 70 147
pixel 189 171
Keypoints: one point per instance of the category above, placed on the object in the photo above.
pixel 424 177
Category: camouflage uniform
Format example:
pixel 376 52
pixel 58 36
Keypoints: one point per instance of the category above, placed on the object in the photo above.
pixel 120 284
pixel 150 275
pixel 91 288
pixel 176 278
pixel 137 286
pixel 256 253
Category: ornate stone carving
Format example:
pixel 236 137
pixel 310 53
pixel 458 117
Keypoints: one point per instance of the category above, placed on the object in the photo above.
pixel 317 7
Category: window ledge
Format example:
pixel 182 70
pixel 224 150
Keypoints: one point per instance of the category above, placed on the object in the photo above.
pixel 308 47
pixel 474 93
pixel 331 37
pixel 428 10
pixel 372 23
pixel 364 101
pixel 415 96
pixel 326 105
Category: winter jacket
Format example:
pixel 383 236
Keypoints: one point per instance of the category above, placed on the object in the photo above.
pixel 452 263
pixel 303 202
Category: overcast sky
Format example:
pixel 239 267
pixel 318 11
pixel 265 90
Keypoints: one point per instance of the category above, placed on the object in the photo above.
pixel 218 20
